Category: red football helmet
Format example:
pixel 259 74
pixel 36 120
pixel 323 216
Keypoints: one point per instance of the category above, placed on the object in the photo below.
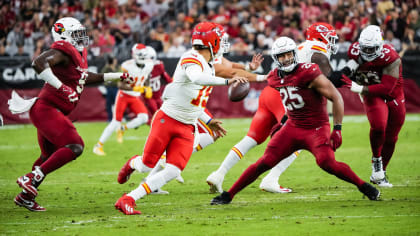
pixel 325 33
pixel 207 35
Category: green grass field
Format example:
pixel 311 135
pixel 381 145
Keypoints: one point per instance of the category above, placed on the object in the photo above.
pixel 79 197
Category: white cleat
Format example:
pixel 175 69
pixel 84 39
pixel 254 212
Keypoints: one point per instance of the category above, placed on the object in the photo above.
pixel 381 183
pixel 99 150
pixel 215 181
pixel 179 179
pixel 160 192
pixel 273 187
pixel 378 172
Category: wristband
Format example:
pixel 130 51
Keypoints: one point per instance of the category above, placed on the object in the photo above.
pixel 260 77
pixel 227 82
pixel 48 76
pixel 356 88
pixel 247 68
pixel 337 127
pixel 209 121
pixel 112 76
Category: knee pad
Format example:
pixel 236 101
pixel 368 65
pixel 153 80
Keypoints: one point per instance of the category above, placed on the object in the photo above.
pixel 77 149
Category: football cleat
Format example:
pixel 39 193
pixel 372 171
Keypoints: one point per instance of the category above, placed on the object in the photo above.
pixel 159 192
pixel 377 171
pixel 273 187
pixel 382 182
pixel 222 199
pixel 23 200
pixel 120 134
pixel 215 181
pixel 179 179
pixel 369 191
pixel 126 171
pixel 98 149
pixel 27 183
pixel 126 205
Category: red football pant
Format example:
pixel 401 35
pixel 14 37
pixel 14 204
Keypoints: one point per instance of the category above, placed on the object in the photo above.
pixel 270 112
pixel 123 101
pixel 55 131
pixel 386 119
pixel 171 135
pixel 290 139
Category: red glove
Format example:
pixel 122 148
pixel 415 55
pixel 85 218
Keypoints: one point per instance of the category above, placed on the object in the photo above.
pixel 127 78
pixel 336 139
pixel 68 93
pixel 346 81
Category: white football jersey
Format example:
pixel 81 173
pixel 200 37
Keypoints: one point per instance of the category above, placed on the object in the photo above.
pixel 308 48
pixel 184 100
pixel 139 74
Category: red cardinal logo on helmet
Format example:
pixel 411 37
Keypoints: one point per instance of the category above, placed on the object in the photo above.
pixel 59 28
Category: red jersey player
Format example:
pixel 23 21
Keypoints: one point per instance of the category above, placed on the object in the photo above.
pixel 303 89
pixel 379 80
pixel 64 69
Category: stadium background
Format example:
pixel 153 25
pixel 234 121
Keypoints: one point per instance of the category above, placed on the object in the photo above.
pixel 114 26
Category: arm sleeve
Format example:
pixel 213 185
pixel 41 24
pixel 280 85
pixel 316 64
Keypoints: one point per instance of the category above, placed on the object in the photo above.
pixel 205 117
pixel 197 76
pixel 386 86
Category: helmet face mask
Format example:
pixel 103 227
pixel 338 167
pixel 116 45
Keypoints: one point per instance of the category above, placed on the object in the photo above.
pixel 72 31
pixel 371 43
pixel 285 48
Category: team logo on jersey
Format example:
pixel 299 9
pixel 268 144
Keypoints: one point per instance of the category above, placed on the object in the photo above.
pixel 322 29
pixel 59 28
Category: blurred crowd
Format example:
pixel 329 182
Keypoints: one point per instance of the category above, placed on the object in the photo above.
pixel 115 25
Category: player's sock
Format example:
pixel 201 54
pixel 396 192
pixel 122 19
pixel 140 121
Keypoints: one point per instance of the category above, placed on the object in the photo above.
pixel 160 165
pixel 205 140
pixel 109 130
pixel 387 152
pixel 137 164
pixel 38 162
pixel 248 176
pixel 377 139
pixel 277 170
pixel 236 154
pixel 155 182
pixel 58 159
pixel 139 120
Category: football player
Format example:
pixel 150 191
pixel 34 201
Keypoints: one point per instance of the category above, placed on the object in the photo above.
pixel 64 69
pixel 318 47
pixel 174 125
pixel 303 89
pixel 142 66
pixel 379 80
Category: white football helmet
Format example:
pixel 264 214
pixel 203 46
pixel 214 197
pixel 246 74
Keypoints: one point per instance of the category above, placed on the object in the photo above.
pixel 142 53
pixel 283 45
pixel 371 42
pixel 70 30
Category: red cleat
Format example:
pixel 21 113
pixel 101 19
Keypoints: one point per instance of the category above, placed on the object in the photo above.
pixel 28 202
pixel 126 205
pixel 26 182
pixel 126 171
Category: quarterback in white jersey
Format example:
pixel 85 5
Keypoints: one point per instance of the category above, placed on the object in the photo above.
pixel 173 126
pixel 140 67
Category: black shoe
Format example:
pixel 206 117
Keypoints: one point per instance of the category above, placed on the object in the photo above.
pixel 222 199
pixel 369 191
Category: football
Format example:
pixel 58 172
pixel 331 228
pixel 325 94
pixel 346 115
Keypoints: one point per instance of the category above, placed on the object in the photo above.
pixel 238 91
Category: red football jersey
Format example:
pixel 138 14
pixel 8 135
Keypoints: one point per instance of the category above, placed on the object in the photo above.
pixel 73 75
pixel 373 70
pixel 306 108
pixel 158 79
